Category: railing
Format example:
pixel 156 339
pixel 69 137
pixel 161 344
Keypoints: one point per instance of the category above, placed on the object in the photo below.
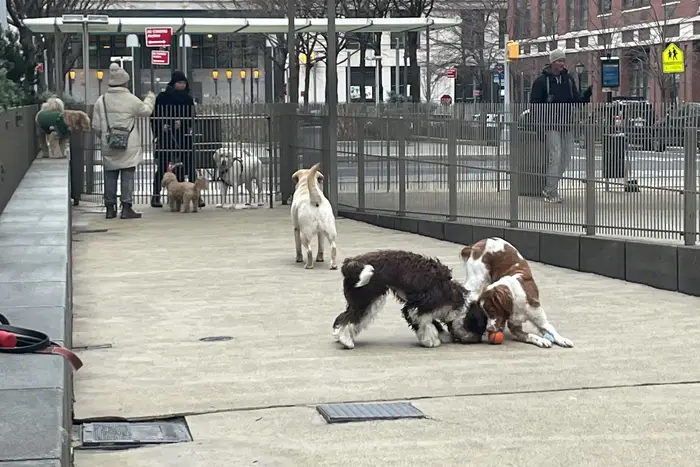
pixel 19 140
pixel 633 167
pixel 633 170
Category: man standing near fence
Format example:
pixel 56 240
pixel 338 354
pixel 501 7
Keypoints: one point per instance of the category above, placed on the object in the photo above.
pixel 558 89
pixel 172 127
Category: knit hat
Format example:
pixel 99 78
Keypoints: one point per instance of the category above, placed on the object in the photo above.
pixel 556 54
pixel 177 77
pixel 117 75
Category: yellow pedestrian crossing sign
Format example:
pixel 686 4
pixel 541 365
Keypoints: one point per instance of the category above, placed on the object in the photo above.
pixel 672 59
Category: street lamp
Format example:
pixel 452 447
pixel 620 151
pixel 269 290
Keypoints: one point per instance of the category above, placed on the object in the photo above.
pixel 215 77
pixel 100 75
pixel 580 68
pixel 242 75
pixel 229 76
pixel 256 77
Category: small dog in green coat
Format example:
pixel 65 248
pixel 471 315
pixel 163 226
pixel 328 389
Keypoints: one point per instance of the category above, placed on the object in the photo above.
pixel 55 124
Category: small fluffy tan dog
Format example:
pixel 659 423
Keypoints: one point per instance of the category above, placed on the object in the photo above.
pixel 55 124
pixel 182 194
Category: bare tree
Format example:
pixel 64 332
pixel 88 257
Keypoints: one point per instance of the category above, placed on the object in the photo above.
pixel 19 10
pixel 476 45
pixel 413 9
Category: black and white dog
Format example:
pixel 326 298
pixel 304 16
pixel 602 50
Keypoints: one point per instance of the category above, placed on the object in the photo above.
pixel 236 167
pixel 424 285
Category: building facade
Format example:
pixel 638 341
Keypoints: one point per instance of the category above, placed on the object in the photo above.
pixel 245 58
pixel 636 31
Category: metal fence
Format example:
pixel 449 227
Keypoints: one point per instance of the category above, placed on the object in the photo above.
pixel 19 139
pixel 631 168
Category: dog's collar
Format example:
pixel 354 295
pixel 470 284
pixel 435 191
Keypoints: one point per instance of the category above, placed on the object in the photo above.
pixel 228 167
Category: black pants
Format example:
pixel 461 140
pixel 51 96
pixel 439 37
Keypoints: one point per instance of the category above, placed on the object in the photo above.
pixel 163 159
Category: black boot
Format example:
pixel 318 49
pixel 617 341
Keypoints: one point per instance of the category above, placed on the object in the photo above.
pixel 129 213
pixel 111 211
pixel 202 203
pixel 155 202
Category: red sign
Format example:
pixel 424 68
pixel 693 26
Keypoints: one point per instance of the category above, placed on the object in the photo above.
pixel 452 73
pixel 160 57
pixel 446 99
pixel 39 68
pixel 158 37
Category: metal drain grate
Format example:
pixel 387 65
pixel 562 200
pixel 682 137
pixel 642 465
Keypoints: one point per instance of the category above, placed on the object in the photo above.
pixel 344 413
pixel 125 434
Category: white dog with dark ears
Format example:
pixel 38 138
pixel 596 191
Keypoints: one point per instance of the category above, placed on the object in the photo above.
pixel 236 167
pixel 500 280
pixel 312 216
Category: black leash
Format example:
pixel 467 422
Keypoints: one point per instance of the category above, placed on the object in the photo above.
pixel 31 341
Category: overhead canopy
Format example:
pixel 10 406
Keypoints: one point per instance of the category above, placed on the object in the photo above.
pixel 237 25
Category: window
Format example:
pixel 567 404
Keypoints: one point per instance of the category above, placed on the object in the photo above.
pixel 627 36
pixel 605 40
pixel 196 56
pixel 526 49
pixel 104 51
pixel 548 17
pixel 604 7
pixel 523 20
pixel 400 38
pixel 638 78
pixel 583 80
pixel 571 43
pixel 577 14
pixel 402 91
pixel 209 51
pixel 583 42
pixel 696 28
pixel 631 4
pixel 672 30
pixel 356 82
pixel 553 45
pixel 644 34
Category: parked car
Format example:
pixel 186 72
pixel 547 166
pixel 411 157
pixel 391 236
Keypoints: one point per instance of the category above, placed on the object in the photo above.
pixel 669 130
pixel 629 115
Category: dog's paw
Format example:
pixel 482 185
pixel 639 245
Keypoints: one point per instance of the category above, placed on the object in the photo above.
pixel 345 337
pixel 445 337
pixel 540 341
pixel 333 267
pixel 564 342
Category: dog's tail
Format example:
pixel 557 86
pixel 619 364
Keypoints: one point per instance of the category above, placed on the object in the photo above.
pixel 312 183
pixel 357 273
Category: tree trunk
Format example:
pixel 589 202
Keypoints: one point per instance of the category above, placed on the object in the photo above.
pixel 307 81
pixel 363 69
pixel 378 47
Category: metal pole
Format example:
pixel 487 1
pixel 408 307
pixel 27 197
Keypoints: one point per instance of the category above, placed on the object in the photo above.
pixel 427 67
pixel 397 70
pixel 58 62
pixel 331 84
pixel 348 76
pixel 377 78
pixel 133 72
pixel 86 60
pixel 293 84
pixel 230 94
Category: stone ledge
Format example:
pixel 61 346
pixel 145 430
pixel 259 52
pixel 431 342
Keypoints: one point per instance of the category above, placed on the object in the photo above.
pixel 36 391
pixel 664 266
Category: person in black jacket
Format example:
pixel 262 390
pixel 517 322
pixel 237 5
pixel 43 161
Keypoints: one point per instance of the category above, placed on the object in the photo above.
pixel 171 124
pixel 557 87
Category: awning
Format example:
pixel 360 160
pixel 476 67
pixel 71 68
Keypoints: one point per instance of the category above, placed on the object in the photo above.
pixel 240 25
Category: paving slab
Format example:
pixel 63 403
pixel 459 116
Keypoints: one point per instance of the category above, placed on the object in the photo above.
pixel 635 427
pixel 153 287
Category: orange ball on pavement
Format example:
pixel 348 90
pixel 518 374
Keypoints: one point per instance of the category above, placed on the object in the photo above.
pixel 495 337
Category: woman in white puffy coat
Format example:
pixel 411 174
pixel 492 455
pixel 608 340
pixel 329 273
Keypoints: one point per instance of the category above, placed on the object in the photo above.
pixel 117 108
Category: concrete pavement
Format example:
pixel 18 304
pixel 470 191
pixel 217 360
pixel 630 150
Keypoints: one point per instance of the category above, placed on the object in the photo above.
pixel 153 287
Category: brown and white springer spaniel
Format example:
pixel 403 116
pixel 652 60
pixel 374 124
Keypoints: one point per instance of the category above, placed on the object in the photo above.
pixel 500 279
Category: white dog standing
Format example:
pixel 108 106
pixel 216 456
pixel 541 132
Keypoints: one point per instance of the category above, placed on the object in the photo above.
pixel 312 215
pixel 235 168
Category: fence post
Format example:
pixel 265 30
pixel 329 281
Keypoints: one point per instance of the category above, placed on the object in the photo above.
pixel 453 128
pixel 401 126
pixel 690 175
pixel 516 146
pixel 360 137
pixel 590 193
pixel 288 159
pixel 270 163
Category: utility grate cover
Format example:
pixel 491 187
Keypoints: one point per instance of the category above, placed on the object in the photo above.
pixel 344 413
pixel 105 434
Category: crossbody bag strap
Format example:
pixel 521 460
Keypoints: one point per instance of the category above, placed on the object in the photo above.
pixel 104 106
